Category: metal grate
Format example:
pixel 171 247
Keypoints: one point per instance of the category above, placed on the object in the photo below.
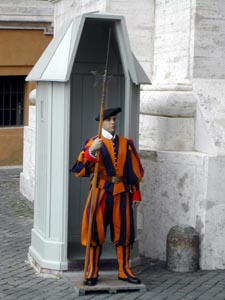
pixel 11 100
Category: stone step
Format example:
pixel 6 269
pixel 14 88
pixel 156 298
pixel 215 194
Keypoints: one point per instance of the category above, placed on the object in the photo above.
pixel 107 283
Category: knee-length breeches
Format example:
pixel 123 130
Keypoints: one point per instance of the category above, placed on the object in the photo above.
pixel 115 211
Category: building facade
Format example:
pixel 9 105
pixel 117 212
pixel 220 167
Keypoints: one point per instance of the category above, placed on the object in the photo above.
pixel 180 45
pixel 25 31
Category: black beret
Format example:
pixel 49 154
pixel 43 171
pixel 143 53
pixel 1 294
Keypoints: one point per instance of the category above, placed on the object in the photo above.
pixel 109 112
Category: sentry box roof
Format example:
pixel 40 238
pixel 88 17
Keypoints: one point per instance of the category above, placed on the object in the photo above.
pixel 57 61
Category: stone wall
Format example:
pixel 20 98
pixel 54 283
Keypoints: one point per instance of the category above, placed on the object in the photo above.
pixel 26 11
pixel 172 41
pixel 27 177
pixel 140 25
pixel 212 224
pixel 64 10
pixel 209 39
pixel 174 193
pixel 208 71
pixel 185 108
pixel 180 44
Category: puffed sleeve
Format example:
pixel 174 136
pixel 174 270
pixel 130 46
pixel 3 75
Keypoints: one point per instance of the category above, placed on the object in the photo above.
pixel 135 171
pixel 84 165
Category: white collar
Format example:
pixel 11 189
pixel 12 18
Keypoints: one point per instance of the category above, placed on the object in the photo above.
pixel 107 135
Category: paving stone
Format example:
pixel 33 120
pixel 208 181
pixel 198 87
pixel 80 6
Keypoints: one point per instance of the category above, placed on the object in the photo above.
pixel 19 281
pixel 176 296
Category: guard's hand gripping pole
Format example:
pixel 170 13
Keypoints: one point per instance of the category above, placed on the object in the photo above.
pixel 95 176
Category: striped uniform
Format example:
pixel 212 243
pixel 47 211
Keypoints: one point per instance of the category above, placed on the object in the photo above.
pixel 118 158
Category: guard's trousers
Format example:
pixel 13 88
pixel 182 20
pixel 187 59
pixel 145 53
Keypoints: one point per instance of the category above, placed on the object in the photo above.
pixel 123 253
pixel 114 210
pixel 93 261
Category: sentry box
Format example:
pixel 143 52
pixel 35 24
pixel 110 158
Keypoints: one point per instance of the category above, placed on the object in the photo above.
pixel 68 99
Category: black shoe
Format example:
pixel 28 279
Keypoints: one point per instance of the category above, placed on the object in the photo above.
pixel 91 281
pixel 133 280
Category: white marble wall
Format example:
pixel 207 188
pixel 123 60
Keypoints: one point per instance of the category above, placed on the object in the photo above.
pixel 189 64
pixel 167 120
pixel 212 106
pixel 172 41
pixel 27 177
pixel 140 24
pixel 208 71
pixel 180 44
pixel 165 133
pixel 26 10
pixel 212 224
pixel 174 193
pixel 209 40
pixel 209 85
pixel 183 188
pixel 63 10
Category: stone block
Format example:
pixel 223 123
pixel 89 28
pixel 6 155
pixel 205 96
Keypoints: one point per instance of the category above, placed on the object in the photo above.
pixel 212 107
pixel 211 225
pixel 32 116
pixel 168 103
pixel 203 141
pixel 172 41
pixel 209 40
pixel 173 192
pixel 26 10
pixel 27 186
pixel 29 149
pixel 182 249
pixel 27 177
pixel 168 134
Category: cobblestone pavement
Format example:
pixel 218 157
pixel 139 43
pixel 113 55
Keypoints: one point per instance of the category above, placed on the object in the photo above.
pixel 19 281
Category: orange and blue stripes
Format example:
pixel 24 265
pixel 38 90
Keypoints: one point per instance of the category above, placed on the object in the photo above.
pixel 93 261
pixel 115 211
pixel 123 253
pixel 113 200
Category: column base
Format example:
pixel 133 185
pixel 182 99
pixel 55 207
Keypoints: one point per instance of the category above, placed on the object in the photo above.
pixel 47 254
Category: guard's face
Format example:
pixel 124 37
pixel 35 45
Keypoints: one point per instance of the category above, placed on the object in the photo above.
pixel 110 124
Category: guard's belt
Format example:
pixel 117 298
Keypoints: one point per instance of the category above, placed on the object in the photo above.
pixel 112 179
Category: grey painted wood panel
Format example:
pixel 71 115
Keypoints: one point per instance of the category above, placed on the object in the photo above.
pixel 85 105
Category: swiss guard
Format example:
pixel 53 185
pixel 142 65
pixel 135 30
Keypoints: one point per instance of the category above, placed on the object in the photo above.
pixel 113 193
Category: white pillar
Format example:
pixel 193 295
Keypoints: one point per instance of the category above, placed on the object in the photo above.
pixel 27 177
pixel 48 247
